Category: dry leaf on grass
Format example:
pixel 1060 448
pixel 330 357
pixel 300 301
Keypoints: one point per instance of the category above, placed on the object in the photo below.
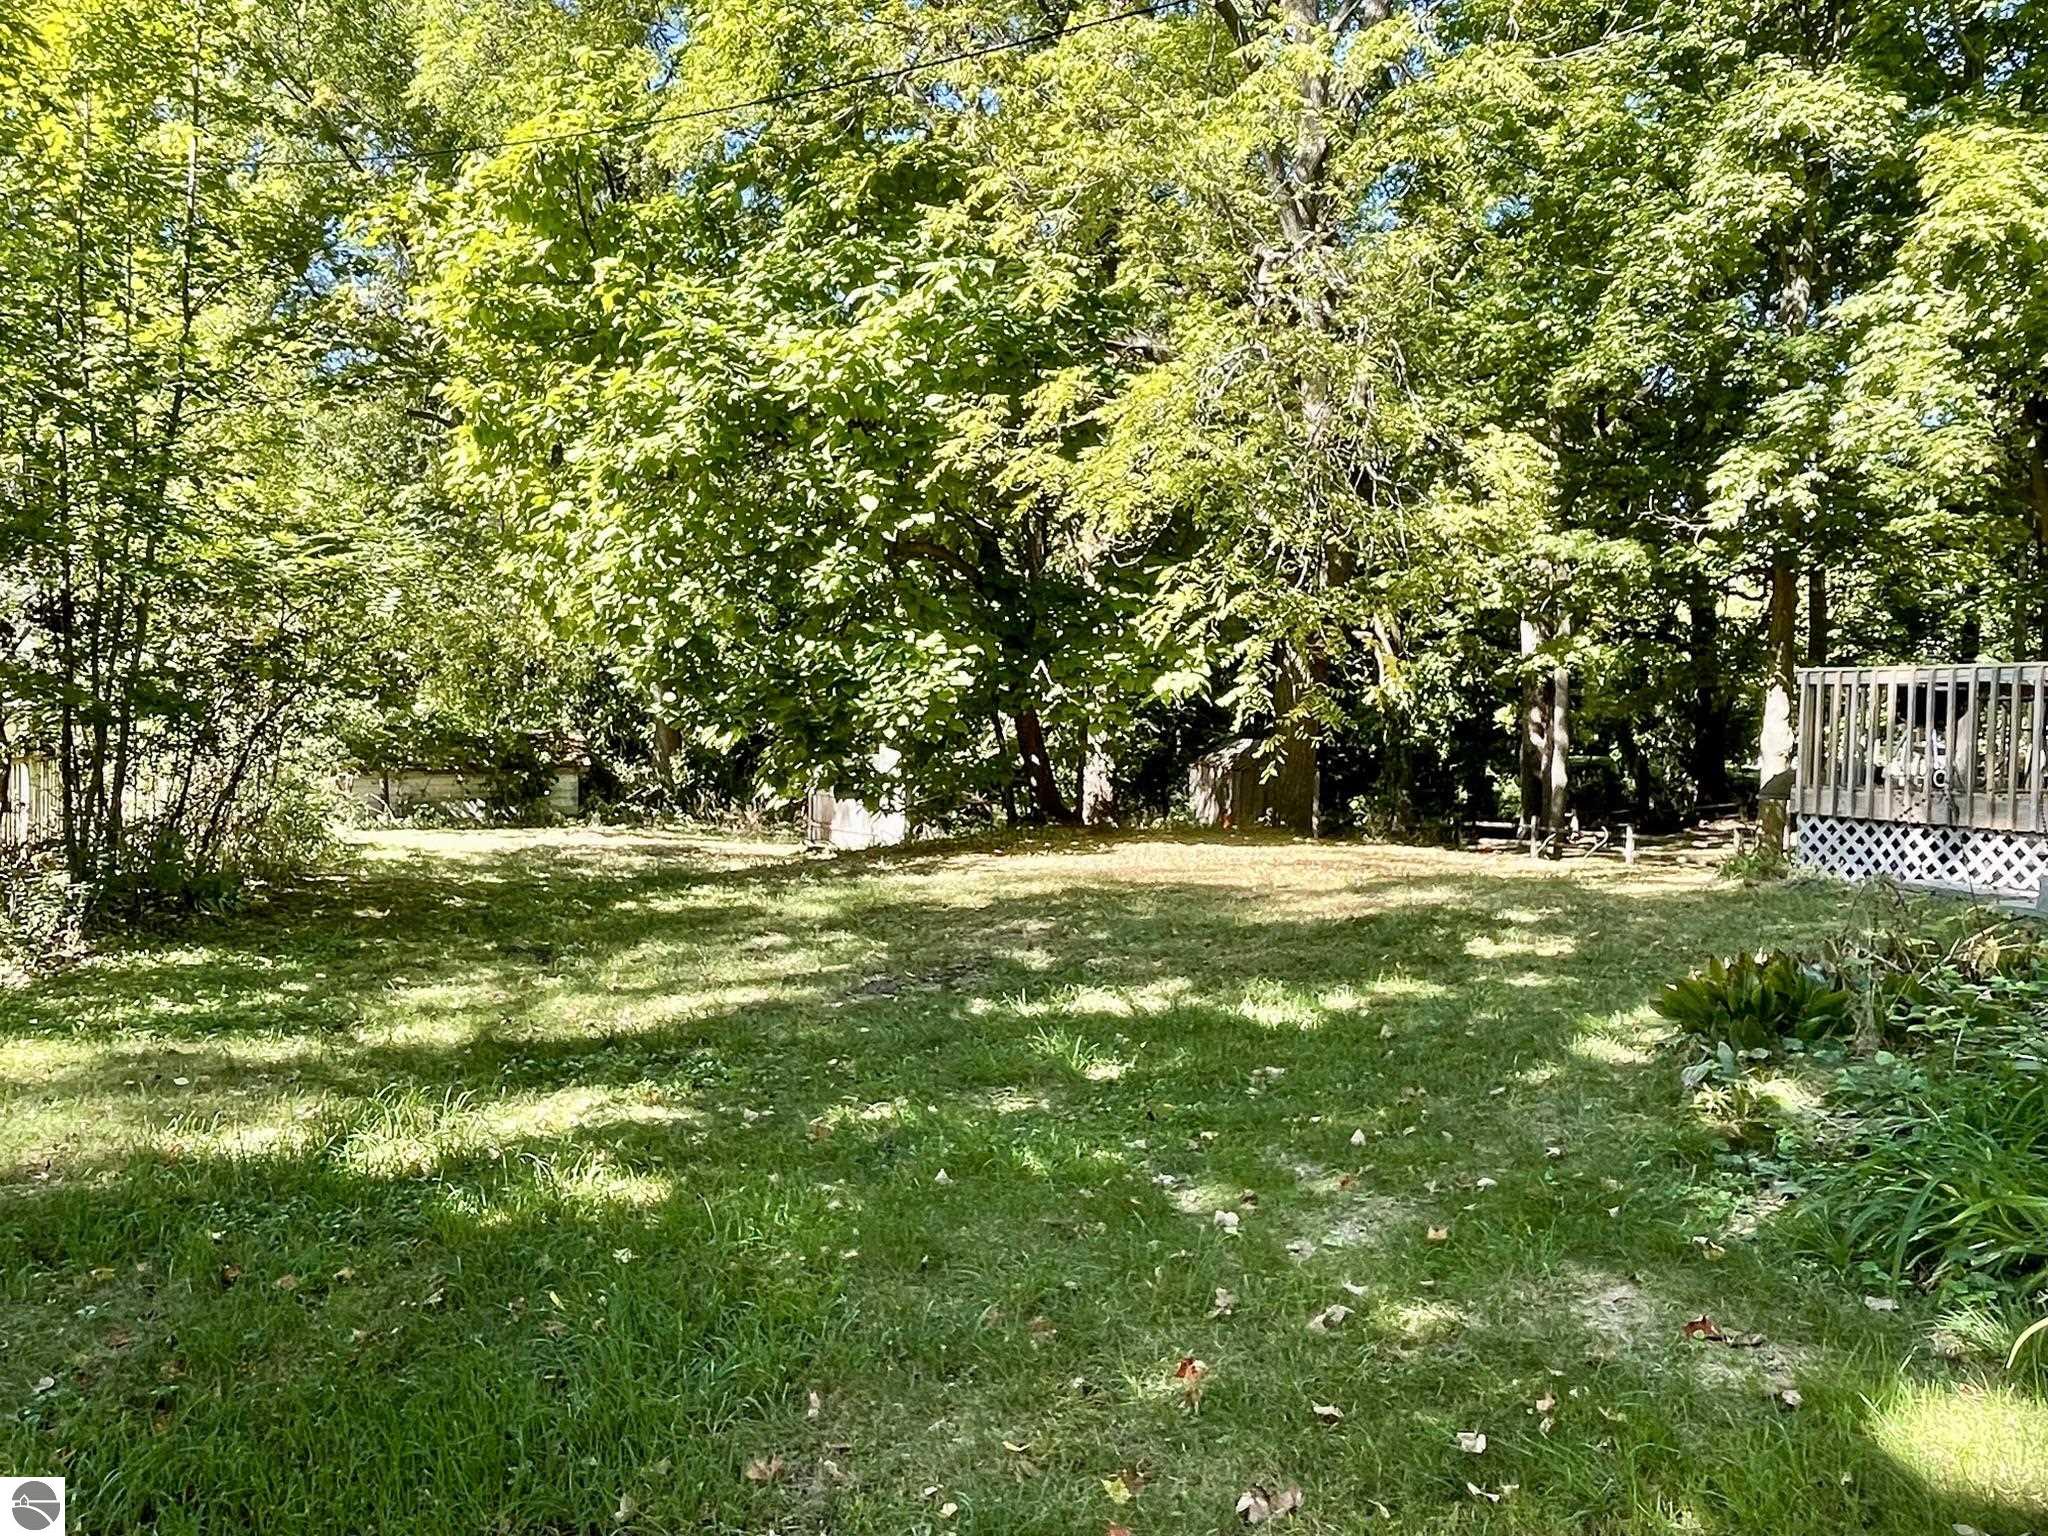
pixel 763 1471
pixel 1256 1505
pixel 1329 1413
pixel 1707 1330
pixel 1880 1303
pixel 1358 1137
pixel 1330 1317
pixel 1438 1234
pixel 1472 1441
pixel 1226 1302
pixel 1227 1220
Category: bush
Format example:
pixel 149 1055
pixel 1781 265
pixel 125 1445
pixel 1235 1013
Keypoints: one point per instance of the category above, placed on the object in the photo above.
pixel 1927 1163
pixel 42 915
pixel 1755 1001
pixel 1937 1170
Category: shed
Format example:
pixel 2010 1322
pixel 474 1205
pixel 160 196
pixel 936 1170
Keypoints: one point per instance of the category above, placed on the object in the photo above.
pixel 397 787
pixel 1927 775
pixel 832 820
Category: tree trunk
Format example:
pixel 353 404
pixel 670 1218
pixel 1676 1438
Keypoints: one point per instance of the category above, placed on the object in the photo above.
pixel 1709 696
pixel 1781 653
pixel 1045 782
pixel 662 748
pixel 1294 794
pixel 2037 484
pixel 1557 747
pixel 1009 771
pixel 1817 616
pixel 1533 723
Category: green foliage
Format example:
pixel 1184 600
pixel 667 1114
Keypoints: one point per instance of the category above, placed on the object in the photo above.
pixel 1755 1002
pixel 1933 1170
pixel 1926 1159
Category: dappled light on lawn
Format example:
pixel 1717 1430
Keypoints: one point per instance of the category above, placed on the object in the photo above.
pixel 1184 1167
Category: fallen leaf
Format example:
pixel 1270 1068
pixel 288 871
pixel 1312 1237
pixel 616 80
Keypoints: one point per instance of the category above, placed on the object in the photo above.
pixel 948 1510
pixel 1705 1328
pixel 1547 1403
pixel 1124 1486
pixel 230 1273
pixel 1227 1220
pixel 45 1384
pixel 1353 1290
pixel 759 1471
pixel 1788 1397
pixel 1117 1530
pixel 344 1275
pixel 1472 1441
pixel 816 1405
pixel 1301 1248
pixel 1438 1234
pixel 628 1508
pixel 1880 1303
pixel 941 1178
pixel 1330 1317
pixel 1358 1137
pixel 1329 1413
pixel 1485 1183
pixel 1287 1500
pixel 287 1282
pixel 1016 1448
pixel 1226 1301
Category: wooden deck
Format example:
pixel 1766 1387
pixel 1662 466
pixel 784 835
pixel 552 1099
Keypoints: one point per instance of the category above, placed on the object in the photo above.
pixel 1956 746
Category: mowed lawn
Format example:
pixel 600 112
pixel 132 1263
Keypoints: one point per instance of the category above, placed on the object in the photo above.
pixel 588 1181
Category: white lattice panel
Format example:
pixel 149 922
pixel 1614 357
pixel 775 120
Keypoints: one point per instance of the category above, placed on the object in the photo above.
pixel 1976 859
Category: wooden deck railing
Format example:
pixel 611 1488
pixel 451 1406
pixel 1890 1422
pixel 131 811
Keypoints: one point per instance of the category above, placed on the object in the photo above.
pixel 1950 746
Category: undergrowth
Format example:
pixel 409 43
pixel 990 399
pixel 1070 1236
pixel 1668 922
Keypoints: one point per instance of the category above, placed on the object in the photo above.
pixel 1916 1050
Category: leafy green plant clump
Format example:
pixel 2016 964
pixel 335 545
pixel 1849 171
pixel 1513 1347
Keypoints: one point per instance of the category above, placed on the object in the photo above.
pixel 1755 1001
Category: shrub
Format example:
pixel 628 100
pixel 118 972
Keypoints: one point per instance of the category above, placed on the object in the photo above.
pixel 1937 1170
pixel 1755 1001
pixel 1928 1162
pixel 42 915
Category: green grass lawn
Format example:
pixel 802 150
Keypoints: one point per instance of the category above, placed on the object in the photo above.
pixel 585 1181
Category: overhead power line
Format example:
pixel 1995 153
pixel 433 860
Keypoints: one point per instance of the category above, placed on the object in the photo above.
pixel 637 125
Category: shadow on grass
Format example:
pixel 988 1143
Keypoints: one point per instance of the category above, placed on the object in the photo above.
pixel 515 1192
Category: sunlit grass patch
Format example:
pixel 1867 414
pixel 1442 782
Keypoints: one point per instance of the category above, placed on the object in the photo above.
pixel 524 1177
